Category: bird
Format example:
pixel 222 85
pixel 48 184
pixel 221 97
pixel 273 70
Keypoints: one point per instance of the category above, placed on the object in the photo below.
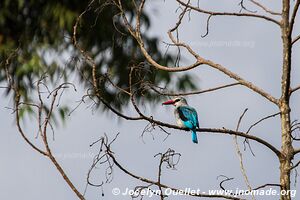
pixel 185 115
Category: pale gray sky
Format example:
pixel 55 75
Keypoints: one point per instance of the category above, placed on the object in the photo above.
pixel 25 174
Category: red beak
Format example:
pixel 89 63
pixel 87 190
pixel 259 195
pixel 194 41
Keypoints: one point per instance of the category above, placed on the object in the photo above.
pixel 168 102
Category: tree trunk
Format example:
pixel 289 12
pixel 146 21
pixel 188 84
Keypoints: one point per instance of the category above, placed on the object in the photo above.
pixel 286 140
pixel 286 150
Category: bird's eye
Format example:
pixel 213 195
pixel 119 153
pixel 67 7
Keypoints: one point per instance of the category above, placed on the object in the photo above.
pixel 176 100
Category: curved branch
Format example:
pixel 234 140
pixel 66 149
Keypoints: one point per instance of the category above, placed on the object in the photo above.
pixel 161 67
pixel 17 100
pixel 229 13
pixel 209 130
pixel 240 155
pixel 207 27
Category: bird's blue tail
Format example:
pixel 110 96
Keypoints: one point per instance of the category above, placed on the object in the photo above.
pixel 194 136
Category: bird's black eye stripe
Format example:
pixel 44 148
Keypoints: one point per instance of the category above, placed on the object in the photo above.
pixel 176 100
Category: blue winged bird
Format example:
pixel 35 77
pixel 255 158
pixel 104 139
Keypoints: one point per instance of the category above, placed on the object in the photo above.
pixel 186 116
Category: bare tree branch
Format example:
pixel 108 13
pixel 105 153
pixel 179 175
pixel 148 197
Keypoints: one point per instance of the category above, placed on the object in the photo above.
pixel 229 13
pixel 167 157
pixel 261 120
pixel 240 155
pixel 194 92
pixel 207 26
pixel 243 7
pixel 295 125
pixel 17 99
pixel 246 141
pixel 226 179
pixel 241 80
pixel 264 8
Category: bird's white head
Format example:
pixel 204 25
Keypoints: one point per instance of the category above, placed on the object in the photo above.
pixel 178 101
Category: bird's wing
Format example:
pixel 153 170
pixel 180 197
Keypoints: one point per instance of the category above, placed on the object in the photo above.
pixel 187 113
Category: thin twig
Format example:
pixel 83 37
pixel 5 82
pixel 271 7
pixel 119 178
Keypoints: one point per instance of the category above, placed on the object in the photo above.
pixel 296 88
pixel 240 155
pixel 207 26
pixel 244 192
pixel 261 120
pixel 194 92
pixel 296 165
pixel 293 17
pixel 295 39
